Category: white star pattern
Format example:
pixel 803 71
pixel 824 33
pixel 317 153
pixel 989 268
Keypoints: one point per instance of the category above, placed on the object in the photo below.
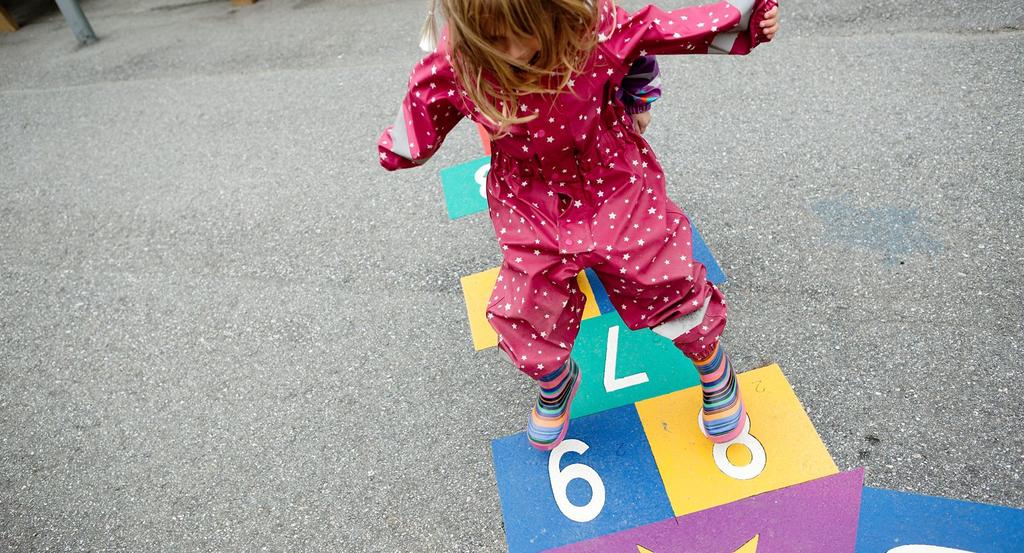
pixel 592 164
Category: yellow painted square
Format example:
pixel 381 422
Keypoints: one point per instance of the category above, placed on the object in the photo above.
pixel 590 309
pixel 477 288
pixel 792 449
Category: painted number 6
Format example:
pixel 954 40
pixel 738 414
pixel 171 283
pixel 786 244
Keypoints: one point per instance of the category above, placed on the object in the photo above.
pixel 560 479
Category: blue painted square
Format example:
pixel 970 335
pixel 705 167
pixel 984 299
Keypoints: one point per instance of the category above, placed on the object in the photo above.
pixel 703 254
pixel 889 519
pixel 604 303
pixel 464 191
pixel 617 451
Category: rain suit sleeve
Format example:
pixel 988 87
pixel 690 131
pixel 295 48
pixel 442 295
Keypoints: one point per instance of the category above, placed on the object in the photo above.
pixel 642 85
pixel 720 28
pixel 425 117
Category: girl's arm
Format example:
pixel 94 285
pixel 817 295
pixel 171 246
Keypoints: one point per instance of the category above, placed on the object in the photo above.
pixel 426 116
pixel 642 85
pixel 722 28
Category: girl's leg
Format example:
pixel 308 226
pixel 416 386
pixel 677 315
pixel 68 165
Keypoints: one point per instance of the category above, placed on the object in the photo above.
pixel 537 316
pixel 697 336
pixel 655 282
pixel 549 420
pixel 722 414
pixel 693 321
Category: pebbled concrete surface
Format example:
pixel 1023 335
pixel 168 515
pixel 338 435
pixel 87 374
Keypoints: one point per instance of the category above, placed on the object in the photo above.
pixel 223 327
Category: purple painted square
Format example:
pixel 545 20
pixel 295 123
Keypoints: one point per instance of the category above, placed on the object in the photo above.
pixel 803 518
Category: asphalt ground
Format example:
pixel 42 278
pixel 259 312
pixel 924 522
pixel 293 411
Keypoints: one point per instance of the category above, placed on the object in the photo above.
pixel 224 328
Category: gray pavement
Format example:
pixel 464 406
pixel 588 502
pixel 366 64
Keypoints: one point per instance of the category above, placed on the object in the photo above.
pixel 224 328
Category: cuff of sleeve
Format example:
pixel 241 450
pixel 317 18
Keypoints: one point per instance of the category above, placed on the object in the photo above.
pixel 392 161
pixel 754 27
pixel 638 108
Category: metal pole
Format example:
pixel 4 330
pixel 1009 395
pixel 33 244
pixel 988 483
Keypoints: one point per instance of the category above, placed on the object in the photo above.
pixel 76 19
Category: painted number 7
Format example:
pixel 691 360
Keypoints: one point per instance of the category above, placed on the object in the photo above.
pixel 611 383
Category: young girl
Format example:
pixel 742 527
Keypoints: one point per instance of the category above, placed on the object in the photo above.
pixel 572 183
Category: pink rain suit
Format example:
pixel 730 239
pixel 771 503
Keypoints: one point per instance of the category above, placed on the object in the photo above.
pixel 577 187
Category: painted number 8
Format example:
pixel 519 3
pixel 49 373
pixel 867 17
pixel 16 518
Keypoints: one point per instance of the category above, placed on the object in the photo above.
pixel 560 479
pixel 758 458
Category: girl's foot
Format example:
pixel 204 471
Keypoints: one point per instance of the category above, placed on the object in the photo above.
pixel 736 433
pixel 549 420
pixel 722 415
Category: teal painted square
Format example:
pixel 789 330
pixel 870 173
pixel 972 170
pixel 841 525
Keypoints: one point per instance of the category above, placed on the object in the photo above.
pixel 640 351
pixel 464 191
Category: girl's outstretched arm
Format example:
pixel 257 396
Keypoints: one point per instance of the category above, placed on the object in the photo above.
pixel 426 116
pixel 640 88
pixel 721 28
pixel 642 85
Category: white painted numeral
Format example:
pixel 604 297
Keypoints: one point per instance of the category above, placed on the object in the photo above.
pixel 560 479
pixel 481 178
pixel 746 472
pixel 612 384
pixel 925 549
pixel 758 458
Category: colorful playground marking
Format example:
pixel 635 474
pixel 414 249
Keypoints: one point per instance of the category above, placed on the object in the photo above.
pixel 780 432
pixel 898 522
pixel 604 303
pixel 703 254
pixel 750 546
pixel 602 478
pixel 621 366
pixel 812 517
pixel 617 453
pixel 464 187
pixel 636 475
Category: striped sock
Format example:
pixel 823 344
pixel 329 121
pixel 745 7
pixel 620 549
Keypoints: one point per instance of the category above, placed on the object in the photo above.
pixel 549 419
pixel 723 413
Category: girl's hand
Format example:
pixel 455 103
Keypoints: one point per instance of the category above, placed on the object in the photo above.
pixel 770 23
pixel 641 121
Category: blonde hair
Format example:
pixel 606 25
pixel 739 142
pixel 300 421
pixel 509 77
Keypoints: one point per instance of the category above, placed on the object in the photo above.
pixel 566 30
